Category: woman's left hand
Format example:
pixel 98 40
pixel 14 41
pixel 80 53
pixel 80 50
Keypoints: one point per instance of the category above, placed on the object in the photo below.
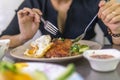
pixel 109 13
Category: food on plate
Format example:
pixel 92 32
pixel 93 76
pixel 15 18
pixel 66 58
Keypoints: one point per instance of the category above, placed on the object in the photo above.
pixel 10 71
pixel 78 49
pixel 102 56
pixel 39 47
pixel 52 48
pixel 60 48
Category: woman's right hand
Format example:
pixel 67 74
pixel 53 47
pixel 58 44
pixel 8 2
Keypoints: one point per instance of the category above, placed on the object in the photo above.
pixel 29 20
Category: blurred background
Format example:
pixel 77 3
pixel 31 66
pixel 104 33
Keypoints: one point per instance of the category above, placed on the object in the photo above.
pixel 7 11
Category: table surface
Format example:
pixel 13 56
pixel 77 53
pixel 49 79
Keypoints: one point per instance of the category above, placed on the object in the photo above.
pixel 83 67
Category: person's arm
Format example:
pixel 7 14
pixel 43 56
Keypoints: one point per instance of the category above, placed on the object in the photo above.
pixel 24 24
pixel 109 13
pixel 15 40
pixel 29 20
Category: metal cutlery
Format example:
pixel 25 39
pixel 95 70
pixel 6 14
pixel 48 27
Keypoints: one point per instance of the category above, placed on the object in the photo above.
pixel 80 37
pixel 84 33
pixel 49 26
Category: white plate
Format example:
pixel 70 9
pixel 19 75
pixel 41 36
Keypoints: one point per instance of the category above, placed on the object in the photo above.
pixel 19 53
pixel 51 70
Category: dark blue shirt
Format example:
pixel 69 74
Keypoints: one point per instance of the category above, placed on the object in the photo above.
pixel 79 15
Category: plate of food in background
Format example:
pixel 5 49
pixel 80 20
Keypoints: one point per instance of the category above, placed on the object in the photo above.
pixel 53 50
pixel 37 71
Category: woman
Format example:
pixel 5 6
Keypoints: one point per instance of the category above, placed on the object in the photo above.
pixel 70 16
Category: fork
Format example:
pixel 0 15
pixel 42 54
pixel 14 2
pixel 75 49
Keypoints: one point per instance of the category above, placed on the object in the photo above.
pixel 49 26
pixel 80 37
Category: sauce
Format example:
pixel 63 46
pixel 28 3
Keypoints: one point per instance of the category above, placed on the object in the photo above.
pixel 102 56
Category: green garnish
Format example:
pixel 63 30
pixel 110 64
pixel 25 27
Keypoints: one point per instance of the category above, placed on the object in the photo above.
pixel 62 39
pixel 6 66
pixel 77 48
pixel 67 73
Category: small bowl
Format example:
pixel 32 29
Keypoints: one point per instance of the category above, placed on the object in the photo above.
pixel 103 60
pixel 4 44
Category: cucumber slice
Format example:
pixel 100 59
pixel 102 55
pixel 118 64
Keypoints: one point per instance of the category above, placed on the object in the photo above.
pixel 39 75
pixel 68 72
pixel 83 48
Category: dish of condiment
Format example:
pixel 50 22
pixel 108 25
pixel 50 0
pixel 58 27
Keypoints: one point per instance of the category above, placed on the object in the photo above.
pixel 102 56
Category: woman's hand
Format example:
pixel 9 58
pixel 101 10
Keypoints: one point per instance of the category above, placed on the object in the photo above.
pixel 109 13
pixel 29 20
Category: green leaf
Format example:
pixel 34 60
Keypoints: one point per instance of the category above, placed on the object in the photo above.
pixel 67 73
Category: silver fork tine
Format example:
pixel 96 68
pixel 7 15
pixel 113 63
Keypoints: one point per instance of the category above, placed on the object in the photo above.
pixel 49 27
pixel 50 30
